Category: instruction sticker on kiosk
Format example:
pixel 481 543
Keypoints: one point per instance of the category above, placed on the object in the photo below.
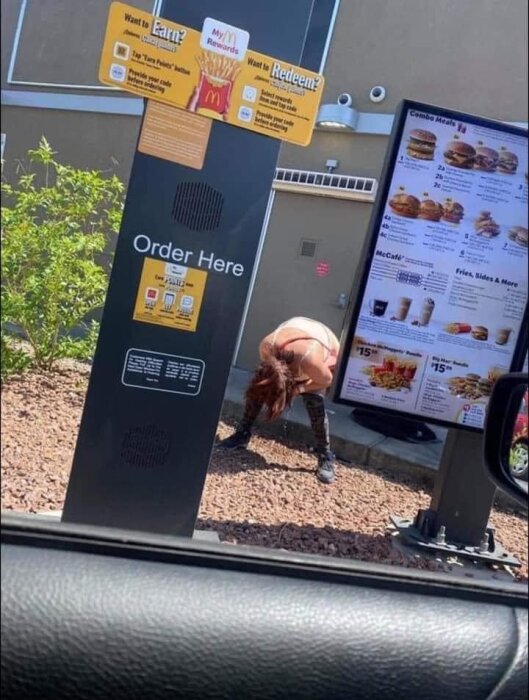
pixel 170 295
pixel 211 73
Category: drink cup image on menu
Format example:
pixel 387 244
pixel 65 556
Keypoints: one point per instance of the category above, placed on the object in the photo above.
pixel 377 307
pixel 403 309
pixel 502 336
pixel 426 312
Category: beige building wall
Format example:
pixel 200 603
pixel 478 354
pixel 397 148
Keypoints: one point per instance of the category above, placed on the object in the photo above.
pixel 470 55
pixel 57 55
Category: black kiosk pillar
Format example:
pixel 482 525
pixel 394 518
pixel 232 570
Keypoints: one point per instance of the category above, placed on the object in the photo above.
pixel 155 392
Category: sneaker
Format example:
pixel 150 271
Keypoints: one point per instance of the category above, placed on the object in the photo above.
pixel 326 467
pixel 238 441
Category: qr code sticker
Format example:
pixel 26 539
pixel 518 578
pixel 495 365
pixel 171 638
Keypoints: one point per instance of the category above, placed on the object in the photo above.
pixel 121 51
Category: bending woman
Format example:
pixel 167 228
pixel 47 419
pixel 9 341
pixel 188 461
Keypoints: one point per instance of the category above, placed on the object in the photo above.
pixel 298 358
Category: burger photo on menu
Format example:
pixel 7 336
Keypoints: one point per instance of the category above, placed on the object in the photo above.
pixel 507 162
pixel 421 144
pixel 459 154
pixel 404 204
pixel 518 234
pixel 453 212
pixel 486 226
pixel 430 210
pixel 486 159
pixel 471 386
pixel 480 333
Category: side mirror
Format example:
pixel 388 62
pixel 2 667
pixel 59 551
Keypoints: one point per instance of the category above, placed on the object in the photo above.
pixel 506 442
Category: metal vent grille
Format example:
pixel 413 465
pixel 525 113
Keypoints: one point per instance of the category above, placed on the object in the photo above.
pixel 327 184
pixel 145 446
pixel 197 206
pixel 307 249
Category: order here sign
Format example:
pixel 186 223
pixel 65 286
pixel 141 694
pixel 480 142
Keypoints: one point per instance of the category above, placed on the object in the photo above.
pixel 211 73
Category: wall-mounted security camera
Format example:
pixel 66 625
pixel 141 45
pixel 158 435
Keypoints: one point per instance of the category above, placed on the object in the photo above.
pixel 377 93
pixel 345 99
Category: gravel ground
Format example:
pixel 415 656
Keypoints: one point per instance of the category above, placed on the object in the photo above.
pixel 267 495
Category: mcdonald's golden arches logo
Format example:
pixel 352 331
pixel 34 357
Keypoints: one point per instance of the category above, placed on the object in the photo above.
pixel 212 98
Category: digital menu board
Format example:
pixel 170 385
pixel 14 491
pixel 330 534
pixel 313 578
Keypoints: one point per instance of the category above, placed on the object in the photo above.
pixel 441 309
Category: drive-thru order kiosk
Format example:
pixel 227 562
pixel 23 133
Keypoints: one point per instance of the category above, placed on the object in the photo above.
pixel 223 90
pixel 440 311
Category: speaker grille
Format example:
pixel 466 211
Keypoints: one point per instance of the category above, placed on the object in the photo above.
pixel 197 206
pixel 145 446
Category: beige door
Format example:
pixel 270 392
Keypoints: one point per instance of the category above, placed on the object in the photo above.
pixel 309 260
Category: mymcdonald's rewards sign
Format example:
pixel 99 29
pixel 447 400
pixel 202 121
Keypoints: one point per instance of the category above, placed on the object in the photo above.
pixel 210 72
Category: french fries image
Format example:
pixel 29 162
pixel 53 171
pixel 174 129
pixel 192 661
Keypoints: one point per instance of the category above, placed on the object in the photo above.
pixel 393 374
pixel 218 68
pixel 211 97
pixel 457 328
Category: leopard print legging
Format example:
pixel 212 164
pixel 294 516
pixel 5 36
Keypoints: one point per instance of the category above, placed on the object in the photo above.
pixel 315 407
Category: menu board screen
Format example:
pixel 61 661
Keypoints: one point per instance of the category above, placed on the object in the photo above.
pixel 442 306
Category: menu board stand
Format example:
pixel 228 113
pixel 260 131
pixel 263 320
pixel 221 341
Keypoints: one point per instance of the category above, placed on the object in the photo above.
pixel 440 311
pixel 456 522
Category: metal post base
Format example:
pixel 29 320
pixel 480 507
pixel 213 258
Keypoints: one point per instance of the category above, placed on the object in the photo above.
pixel 413 533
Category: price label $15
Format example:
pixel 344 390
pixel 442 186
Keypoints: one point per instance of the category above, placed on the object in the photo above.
pixel 441 367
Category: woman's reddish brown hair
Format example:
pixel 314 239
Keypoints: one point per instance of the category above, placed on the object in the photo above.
pixel 273 384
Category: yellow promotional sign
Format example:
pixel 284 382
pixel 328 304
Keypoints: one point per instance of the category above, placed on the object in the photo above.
pixel 170 295
pixel 212 73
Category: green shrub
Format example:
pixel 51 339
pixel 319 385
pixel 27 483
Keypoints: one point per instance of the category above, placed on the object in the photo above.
pixel 83 347
pixel 55 221
pixel 13 360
